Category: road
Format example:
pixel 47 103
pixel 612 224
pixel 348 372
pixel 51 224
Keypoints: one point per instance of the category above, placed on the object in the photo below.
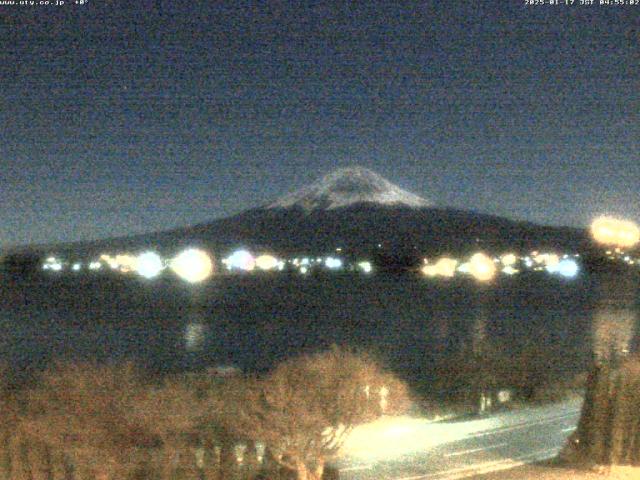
pixel 415 449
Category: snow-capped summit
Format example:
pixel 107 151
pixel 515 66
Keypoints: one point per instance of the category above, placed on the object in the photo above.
pixel 349 186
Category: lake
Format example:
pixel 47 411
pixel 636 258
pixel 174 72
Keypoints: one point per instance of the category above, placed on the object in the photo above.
pixel 253 321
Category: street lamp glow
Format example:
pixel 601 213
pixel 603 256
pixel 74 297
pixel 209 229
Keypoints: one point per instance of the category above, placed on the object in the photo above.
pixel 567 268
pixel 549 260
pixel 126 263
pixel 482 267
pixel 615 232
pixel 333 263
pixel 149 265
pixel 464 268
pixel 365 267
pixel 193 265
pixel 241 260
pixel 509 270
pixel 509 259
pixel 266 262
pixel 444 267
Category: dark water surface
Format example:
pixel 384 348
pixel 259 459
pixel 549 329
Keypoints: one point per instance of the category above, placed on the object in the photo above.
pixel 253 321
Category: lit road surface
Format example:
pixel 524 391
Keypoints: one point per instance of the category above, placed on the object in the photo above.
pixel 414 449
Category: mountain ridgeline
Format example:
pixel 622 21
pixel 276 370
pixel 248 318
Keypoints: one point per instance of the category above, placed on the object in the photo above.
pixel 358 211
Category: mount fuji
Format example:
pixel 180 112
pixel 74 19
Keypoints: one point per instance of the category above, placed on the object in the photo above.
pixel 356 210
pixel 350 186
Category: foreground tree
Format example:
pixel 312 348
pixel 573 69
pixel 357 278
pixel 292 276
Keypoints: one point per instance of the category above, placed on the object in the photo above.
pixel 173 412
pixel 306 407
pixel 609 428
pixel 8 423
pixel 610 389
pixel 85 416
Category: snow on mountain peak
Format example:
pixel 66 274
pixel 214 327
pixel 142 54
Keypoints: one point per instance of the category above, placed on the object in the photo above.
pixel 348 186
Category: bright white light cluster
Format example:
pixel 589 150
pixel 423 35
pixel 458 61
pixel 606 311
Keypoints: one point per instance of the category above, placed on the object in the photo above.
pixel 481 267
pixel 240 260
pixel 484 268
pixel 333 263
pixel 149 265
pixel 365 267
pixel 192 265
pixel 245 261
pixel 567 268
pixel 53 264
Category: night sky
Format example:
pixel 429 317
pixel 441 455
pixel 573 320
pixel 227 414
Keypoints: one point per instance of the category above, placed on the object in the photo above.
pixel 124 117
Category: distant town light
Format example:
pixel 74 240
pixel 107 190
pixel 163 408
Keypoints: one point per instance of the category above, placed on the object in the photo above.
pixel 553 268
pixel 266 262
pixel 52 263
pixel 464 267
pixel 615 232
pixel 508 259
pixel 567 268
pixel 429 271
pixel 444 267
pixel 149 265
pixel 193 265
pixel 126 263
pixel 333 263
pixel 482 267
pixel 109 260
pixel 548 259
pixel 365 267
pixel 509 270
pixel 241 260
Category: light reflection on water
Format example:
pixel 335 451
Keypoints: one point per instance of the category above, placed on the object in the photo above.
pixel 252 323
pixel 194 336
